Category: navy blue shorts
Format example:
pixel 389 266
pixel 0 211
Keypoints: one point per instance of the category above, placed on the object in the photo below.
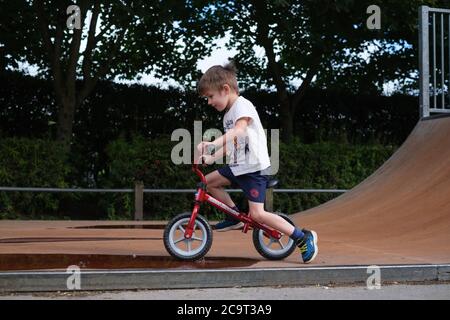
pixel 253 184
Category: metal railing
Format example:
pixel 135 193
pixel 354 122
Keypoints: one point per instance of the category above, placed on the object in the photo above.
pixel 434 36
pixel 27 189
pixel 139 191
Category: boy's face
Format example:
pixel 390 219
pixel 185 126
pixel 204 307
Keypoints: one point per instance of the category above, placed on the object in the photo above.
pixel 218 99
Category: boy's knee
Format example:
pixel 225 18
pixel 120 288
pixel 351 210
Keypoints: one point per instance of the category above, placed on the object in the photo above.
pixel 256 216
pixel 212 187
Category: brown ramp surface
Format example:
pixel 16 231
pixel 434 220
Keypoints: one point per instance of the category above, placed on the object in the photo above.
pixel 401 213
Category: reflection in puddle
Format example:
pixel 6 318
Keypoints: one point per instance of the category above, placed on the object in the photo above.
pixel 127 226
pixel 68 239
pixel 94 261
pixel 123 226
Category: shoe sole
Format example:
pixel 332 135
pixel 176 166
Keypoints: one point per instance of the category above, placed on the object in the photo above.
pixel 237 226
pixel 316 248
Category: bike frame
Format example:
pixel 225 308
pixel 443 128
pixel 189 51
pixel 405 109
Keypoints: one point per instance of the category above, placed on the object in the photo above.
pixel 202 196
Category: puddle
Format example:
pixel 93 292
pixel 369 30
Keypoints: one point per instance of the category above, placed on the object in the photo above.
pixel 94 261
pixel 127 226
pixel 123 226
pixel 69 239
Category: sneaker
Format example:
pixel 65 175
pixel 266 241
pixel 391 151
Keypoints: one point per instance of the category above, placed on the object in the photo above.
pixel 229 224
pixel 308 246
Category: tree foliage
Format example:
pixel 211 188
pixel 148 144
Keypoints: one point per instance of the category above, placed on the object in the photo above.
pixel 286 45
pixel 116 39
pixel 322 43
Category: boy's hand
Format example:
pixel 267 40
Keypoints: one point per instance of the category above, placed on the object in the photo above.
pixel 202 147
pixel 206 159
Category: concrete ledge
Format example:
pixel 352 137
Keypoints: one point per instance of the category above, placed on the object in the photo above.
pixel 25 281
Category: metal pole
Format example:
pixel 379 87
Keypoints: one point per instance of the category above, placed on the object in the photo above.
pixel 434 62
pixel 269 200
pixel 442 63
pixel 424 62
pixel 139 201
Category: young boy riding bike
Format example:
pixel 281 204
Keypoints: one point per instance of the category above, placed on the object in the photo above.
pixel 245 143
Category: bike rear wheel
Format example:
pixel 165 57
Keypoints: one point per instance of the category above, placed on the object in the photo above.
pixel 191 249
pixel 273 249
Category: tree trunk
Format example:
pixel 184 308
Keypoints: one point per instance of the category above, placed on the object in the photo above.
pixel 264 39
pixel 286 118
pixel 66 113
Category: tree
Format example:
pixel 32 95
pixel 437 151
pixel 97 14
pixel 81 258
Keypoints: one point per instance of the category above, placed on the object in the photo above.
pixel 320 41
pixel 116 39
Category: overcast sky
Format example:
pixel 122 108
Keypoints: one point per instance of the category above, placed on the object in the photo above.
pixel 219 56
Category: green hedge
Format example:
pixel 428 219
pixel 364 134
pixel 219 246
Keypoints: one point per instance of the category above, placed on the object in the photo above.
pixel 324 166
pixel 316 166
pixel 38 163
pixel 31 163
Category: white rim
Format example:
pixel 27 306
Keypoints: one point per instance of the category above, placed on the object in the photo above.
pixel 181 242
pixel 275 246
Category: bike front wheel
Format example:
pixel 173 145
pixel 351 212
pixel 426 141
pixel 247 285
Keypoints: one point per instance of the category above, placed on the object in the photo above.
pixel 191 249
pixel 273 249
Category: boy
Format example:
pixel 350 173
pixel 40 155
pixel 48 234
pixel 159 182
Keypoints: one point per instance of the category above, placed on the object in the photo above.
pixel 245 142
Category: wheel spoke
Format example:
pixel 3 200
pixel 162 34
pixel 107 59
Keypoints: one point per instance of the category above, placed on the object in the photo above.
pixel 179 240
pixel 281 244
pixel 181 228
pixel 189 248
pixel 197 238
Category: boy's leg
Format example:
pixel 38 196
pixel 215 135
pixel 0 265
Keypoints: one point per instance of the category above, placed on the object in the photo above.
pixel 258 214
pixel 215 183
pixel 306 240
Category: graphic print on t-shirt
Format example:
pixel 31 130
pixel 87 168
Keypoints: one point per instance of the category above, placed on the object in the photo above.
pixel 236 148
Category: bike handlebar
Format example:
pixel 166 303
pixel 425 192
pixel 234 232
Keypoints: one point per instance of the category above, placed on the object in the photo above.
pixel 198 172
pixel 195 167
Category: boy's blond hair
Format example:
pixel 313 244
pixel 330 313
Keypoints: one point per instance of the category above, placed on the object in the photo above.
pixel 217 76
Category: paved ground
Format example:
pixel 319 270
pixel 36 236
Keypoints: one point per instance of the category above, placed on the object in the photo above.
pixel 430 291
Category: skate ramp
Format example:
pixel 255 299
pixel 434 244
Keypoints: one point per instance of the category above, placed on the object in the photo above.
pixel 400 212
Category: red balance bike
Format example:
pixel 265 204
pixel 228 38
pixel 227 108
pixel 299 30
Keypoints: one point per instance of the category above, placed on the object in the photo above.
pixel 188 236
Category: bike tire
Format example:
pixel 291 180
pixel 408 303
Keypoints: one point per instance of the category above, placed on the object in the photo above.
pixel 176 224
pixel 264 249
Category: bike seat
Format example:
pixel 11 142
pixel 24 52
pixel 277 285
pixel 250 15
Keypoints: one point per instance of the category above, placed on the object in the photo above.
pixel 272 183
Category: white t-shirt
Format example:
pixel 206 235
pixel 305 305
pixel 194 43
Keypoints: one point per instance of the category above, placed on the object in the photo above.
pixel 248 153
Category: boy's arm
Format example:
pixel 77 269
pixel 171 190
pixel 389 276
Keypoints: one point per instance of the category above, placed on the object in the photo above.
pixel 218 154
pixel 239 129
pixel 210 159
